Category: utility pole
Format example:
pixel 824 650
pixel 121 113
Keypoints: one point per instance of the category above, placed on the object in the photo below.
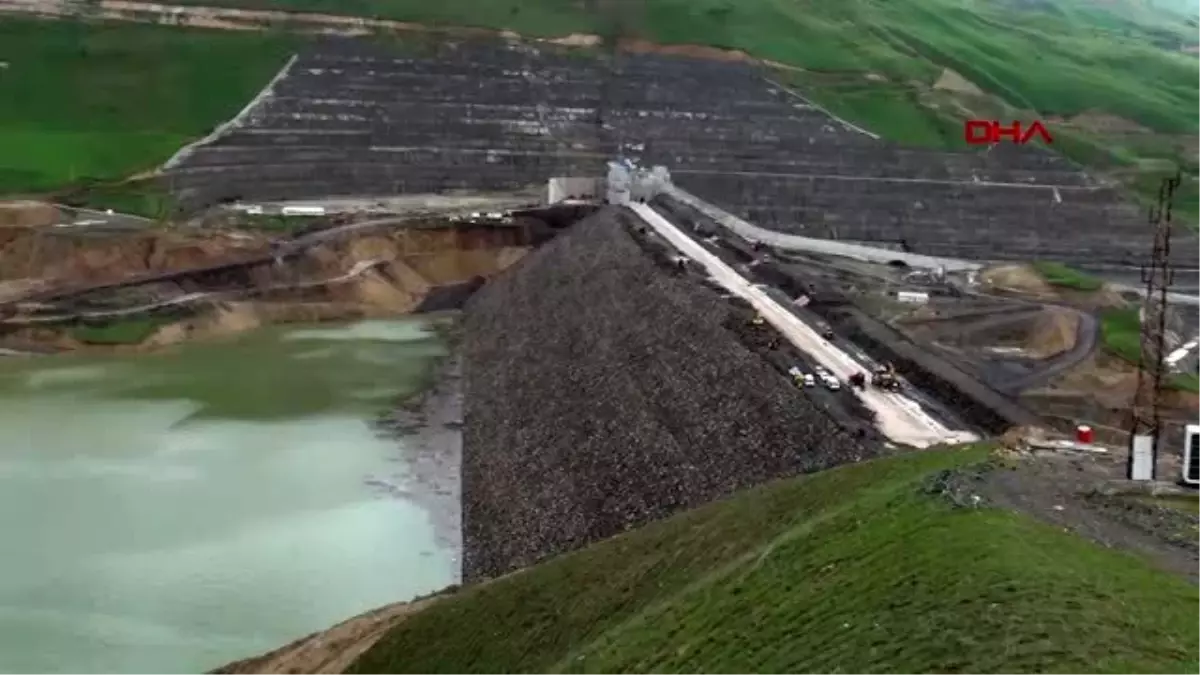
pixel 1145 422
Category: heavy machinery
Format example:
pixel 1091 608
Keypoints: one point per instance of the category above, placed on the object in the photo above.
pixel 761 334
pixel 885 378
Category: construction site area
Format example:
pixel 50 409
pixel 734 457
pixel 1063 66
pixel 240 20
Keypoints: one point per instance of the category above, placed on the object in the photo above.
pixel 782 294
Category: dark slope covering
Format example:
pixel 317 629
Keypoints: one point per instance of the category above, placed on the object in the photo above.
pixel 602 393
pixel 355 118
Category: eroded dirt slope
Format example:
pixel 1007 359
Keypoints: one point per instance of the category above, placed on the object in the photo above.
pixel 368 274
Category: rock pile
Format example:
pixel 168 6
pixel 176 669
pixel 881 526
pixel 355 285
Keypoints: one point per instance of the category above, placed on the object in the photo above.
pixel 602 393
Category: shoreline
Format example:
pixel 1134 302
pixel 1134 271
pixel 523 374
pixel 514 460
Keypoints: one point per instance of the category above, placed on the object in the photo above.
pixel 427 428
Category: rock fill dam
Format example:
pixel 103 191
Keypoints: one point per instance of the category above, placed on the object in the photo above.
pixel 601 393
pixel 351 117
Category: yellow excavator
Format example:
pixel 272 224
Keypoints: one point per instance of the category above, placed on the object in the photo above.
pixel 885 377
pixel 759 324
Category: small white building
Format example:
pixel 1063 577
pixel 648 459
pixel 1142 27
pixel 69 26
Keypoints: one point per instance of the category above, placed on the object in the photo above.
pixel 566 189
pixel 301 210
pixel 912 297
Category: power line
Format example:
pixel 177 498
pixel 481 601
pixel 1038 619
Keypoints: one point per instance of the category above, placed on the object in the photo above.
pixel 1158 276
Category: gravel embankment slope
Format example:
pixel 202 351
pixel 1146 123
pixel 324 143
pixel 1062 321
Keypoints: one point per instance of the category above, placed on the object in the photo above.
pixel 602 393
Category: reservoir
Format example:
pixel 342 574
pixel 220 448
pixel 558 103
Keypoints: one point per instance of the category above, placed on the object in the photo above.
pixel 173 511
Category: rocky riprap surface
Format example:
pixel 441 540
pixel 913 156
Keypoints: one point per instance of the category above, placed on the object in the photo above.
pixel 602 393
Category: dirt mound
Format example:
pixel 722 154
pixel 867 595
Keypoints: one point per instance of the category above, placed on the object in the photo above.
pixel 578 40
pixel 1098 121
pixel 1024 280
pixel 693 51
pixel 1019 278
pixel 27 214
pixel 332 650
pixel 952 81
pixel 1053 332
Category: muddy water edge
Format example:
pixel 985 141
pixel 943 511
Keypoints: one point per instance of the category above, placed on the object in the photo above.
pixel 173 511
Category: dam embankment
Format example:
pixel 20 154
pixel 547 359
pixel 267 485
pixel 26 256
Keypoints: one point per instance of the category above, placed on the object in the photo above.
pixel 602 393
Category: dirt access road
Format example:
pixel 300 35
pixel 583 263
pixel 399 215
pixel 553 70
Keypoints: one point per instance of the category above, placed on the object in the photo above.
pixel 899 417
pixel 1083 493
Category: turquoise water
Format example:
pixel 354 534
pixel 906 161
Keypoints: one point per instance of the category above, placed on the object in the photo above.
pixel 171 512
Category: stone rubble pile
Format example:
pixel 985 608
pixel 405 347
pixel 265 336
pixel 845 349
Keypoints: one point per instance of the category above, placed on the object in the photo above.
pixel 602 393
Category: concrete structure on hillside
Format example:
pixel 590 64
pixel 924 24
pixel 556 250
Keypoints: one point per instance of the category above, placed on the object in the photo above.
pixel 573 188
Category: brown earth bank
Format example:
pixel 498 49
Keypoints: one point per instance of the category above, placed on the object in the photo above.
pixel 331 650
pixel 1024 281
pixel 99 279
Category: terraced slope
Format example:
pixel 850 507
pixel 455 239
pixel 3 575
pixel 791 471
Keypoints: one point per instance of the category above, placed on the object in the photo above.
pixel 352 119
pixel 349 118
pixel 858 569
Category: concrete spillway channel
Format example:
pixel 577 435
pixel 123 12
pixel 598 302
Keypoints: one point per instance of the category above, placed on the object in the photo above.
pixel 900 418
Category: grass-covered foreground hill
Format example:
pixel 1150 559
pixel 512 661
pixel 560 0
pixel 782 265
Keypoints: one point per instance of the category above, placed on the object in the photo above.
pixel 859 569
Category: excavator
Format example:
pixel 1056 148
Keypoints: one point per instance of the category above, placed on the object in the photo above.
pixel 885 377
pixel 759 324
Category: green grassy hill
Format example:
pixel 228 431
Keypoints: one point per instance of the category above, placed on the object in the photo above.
pixel 99 102
pixel 858 569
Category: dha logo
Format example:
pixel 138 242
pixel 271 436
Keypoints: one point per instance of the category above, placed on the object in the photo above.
pixel 986 132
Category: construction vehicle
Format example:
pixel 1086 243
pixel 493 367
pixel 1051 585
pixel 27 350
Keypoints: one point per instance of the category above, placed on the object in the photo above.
pixel 824 329
pixel 797 376
pixel 859 380
pixel 885 378
pixel 762 335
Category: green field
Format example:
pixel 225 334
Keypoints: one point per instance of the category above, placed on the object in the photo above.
pixel 1063 276
pixel 857 569
pixel 84 103
pixel 1120 331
